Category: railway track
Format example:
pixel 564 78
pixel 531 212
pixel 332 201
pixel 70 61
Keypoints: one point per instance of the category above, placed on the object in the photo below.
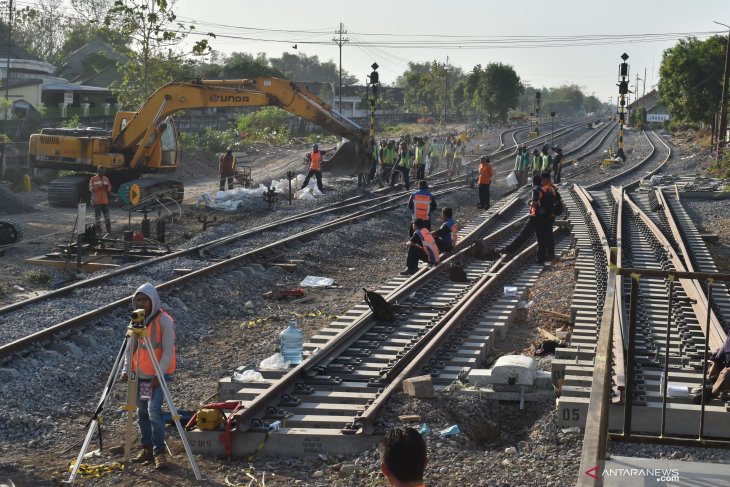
pixel 648 230
pixel 329 403
pixel 251 255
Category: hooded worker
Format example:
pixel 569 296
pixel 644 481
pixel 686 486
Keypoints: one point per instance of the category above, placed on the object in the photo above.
pixel 227 169
pixel 100 187
pixel 160 330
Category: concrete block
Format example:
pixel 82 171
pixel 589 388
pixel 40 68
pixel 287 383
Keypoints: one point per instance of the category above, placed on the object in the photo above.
pixel 419 387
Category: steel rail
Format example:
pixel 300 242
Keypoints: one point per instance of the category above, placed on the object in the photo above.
pixel 690 286
pixel 580 170
pixel 337 345
pixel 636 182
pixel 339 206
pixel 81 320
pixel 620 341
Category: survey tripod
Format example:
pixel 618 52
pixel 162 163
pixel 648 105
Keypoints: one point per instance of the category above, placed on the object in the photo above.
pixel 135 337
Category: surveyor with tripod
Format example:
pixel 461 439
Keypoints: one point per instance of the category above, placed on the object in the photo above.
pixel 161 332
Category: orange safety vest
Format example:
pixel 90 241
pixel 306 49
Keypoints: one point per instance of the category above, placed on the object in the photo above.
pixel 99 186
pixel 429 246
pixel 485 174
pixel 316 160
pixel 454 234
pixel 154 332
pixel 421 206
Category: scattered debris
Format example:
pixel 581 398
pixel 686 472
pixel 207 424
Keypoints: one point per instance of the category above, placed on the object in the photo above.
pixel 420 387
pixel 450 431
pixel 409 418
pixel 316 281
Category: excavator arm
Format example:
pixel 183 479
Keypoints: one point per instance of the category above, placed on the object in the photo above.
pixel 147 124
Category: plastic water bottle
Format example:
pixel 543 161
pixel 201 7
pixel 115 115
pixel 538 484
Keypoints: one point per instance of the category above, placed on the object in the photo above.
pixel 292 343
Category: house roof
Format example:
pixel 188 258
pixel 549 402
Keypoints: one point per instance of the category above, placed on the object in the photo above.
pixel 68 86
pixel 73 67
pixel 648 101
pixel 20 82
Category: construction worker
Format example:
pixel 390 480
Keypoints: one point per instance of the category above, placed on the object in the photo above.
pixel 449 149
pixel 518 166
pixel 374 158
pixel 100 187
pixel 315 161
pixel 421 246
pixel 387 159
pixel 718 376
pixel 536 162
pixel 446 235
pixel 557 163
pixel 547 161
pixel 544 218
pixel 458 158
pixel 226 169
pixel 161 333
pixel 403 164
pixel 420 159
pixel 422 203
pixel 485 181
pixel 434 155
pixel 525 165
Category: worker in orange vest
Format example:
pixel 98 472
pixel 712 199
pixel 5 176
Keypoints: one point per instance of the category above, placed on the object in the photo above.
pixel 227 168
pixel 447 234
pixel 100 187
pixel 422 203
pixel 485 181
pixel 161 334
pixel 315 162
pixel 421 246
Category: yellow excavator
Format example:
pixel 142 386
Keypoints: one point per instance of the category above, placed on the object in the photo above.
pixel 147 141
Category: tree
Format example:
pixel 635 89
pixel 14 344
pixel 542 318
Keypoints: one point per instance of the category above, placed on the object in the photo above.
pixel 40 29
pixel 690 83
pixel 300 67
pixel 155 34
pixel 498 90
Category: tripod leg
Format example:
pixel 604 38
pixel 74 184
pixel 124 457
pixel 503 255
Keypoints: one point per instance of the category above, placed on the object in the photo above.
pixel 171 405
pixel 131 406
pixel 94 422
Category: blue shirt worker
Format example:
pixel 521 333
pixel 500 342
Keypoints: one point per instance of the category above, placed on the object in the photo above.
pixel 161 334
pixel 422 203
pixel 446 235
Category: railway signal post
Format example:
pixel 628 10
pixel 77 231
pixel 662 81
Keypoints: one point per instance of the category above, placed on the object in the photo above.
pixel 623 90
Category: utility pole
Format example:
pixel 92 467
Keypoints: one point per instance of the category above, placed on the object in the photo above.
pixel 723 100
pixel 446 93
pixel 643 100
pixel 339 43
pixel 7 66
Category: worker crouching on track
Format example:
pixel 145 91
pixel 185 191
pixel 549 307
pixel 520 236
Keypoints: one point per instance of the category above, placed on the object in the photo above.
pixel 421 246
pixel 718 377
pixel 422 203
pixel 485 182
pixel 226 169
pixel 314 159
pixel 446 235
pixel 161 332
pixel 100 187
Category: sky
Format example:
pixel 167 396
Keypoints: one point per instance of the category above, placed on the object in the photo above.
pixel 467 33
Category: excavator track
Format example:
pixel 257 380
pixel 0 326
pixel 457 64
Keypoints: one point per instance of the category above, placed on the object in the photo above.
pixel 153 191
pixel 10 232
pixel 68 191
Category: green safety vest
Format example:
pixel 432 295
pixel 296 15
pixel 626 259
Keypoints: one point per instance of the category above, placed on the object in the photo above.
pixel 375 153
pixel 546 160
pixel 536 162
pixel 405 159
pixel 434 150
pixel 388 157
pixel 419 154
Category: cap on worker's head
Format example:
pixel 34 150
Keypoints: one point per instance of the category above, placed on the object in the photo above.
pixel 536 179
pixel 422 184
pixel 315 146
pixel 535 151
pixel 546 175
pixel 229 149
pixel 101 169
pixel 485 158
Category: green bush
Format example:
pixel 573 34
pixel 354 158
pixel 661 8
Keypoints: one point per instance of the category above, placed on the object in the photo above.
pixel 268 119
pixel 212 140
pixel 37 277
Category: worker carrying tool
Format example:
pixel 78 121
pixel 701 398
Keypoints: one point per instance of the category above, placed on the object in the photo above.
pixel 100 187
pixel 421 246
pixel 422 203
pixel 314 159
pixel 227 169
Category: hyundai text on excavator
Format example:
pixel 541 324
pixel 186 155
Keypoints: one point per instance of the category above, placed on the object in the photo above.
pixel 147 142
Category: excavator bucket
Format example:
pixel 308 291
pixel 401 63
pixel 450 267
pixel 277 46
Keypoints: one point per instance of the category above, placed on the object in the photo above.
pixel 349 160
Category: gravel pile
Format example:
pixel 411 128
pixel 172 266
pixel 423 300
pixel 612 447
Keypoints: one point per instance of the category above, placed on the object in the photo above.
pixel 10 204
